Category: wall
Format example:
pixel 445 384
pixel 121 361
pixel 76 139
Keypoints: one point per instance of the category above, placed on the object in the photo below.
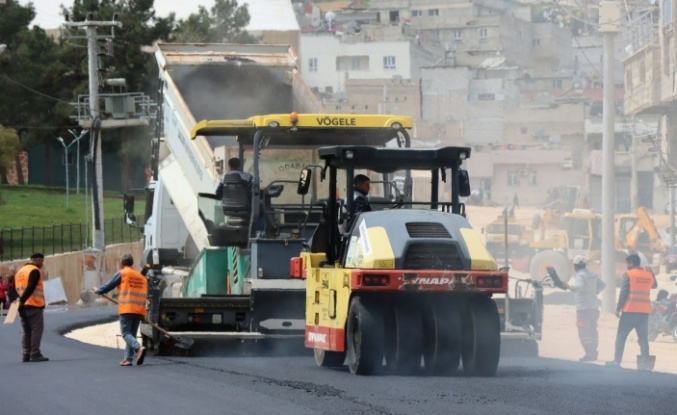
pixel 70 267
pixel 327 48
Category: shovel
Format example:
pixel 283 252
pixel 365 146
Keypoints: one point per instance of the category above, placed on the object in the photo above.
pixel 12 312
pixel 184 343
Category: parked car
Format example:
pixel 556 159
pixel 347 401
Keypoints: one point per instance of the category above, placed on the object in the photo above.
pixel 670 259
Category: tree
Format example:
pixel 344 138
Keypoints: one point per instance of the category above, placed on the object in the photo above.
pixel 132 60
pixel 9 147
pixel 31 79
pixel 225 22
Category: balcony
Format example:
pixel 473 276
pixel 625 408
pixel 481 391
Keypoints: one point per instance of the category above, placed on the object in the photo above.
pixel 643 81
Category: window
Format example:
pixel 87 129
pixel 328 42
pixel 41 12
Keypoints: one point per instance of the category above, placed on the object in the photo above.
pixel 416 13
pixel 535 42
pixel 394 17
pixel 433 12
pixel 486 97
pixel 356 64
pixel 458 35
pixel 483 33
pixel 312 65
pixel 328 90
pixel 667 12
pixel 388 62
pixel 533 178
pixel 513 178
pixel 524 130
pixel 556 84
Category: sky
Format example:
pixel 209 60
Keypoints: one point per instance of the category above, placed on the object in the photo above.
pixel 49 16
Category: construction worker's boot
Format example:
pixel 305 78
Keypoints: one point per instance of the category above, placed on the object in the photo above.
pixel 646 363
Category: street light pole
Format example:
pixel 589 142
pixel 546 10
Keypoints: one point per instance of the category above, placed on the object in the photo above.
pixel 77 161
pixel 65 155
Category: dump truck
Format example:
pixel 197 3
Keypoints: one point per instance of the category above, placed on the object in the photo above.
pixel 410 282
pixel 215 263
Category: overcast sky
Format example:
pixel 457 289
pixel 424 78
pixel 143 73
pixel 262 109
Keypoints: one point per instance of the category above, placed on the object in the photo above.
pixel 49 16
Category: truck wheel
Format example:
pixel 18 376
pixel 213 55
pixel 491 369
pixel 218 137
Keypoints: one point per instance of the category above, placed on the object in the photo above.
pixel 404 339
pixel 364 337
pixel 326 358
pixel 544 259
pixel 442 339
pixel 481 345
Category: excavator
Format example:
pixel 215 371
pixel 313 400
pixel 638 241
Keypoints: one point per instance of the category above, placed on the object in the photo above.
pixel 637 231
pixel 581 234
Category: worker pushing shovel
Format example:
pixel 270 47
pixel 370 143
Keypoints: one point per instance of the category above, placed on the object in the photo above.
pixel 132 290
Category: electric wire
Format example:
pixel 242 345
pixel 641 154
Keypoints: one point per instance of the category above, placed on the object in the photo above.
pixel 33 90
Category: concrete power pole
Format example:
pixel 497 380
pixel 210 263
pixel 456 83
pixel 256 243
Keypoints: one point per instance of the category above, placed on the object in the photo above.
pixel 94 276
pixel 609 22
pixel 90 27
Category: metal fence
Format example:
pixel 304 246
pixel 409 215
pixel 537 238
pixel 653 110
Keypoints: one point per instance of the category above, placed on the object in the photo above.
pixel 20 243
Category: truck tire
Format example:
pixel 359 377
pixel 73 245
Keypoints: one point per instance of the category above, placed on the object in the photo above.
pixel 544 259
pixel 481 344
pixel 442 338
pixel 364 337
pixel 404 339
pixel 326 358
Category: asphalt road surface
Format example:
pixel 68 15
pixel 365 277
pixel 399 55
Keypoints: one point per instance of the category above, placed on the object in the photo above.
pixel 86 379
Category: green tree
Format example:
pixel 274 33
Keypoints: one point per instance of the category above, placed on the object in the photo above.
pixel 9 147
pixel 32 84
pixel 225 22
pixel 131 59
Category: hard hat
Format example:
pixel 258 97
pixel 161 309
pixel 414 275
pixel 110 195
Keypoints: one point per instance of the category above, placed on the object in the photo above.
pixel 579 260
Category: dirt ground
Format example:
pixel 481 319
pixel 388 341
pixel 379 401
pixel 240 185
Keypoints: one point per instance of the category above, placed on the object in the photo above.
pixel 560 336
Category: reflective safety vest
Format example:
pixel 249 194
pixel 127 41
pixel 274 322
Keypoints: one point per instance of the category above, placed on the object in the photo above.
pixel 132 292
pixel 639 300
pixel 37 299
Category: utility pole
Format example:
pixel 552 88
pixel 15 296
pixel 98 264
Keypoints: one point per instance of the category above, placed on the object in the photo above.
pixel 609 25
pixel 90 27
pixel 93 277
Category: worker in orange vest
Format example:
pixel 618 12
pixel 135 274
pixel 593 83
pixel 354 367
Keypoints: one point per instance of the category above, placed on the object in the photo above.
pixel 31 300
pixel 132 292
pixel 633 309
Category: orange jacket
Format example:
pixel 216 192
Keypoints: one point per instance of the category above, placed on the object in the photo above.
pixel 639 297
pixel 132 292
pixel 37 299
